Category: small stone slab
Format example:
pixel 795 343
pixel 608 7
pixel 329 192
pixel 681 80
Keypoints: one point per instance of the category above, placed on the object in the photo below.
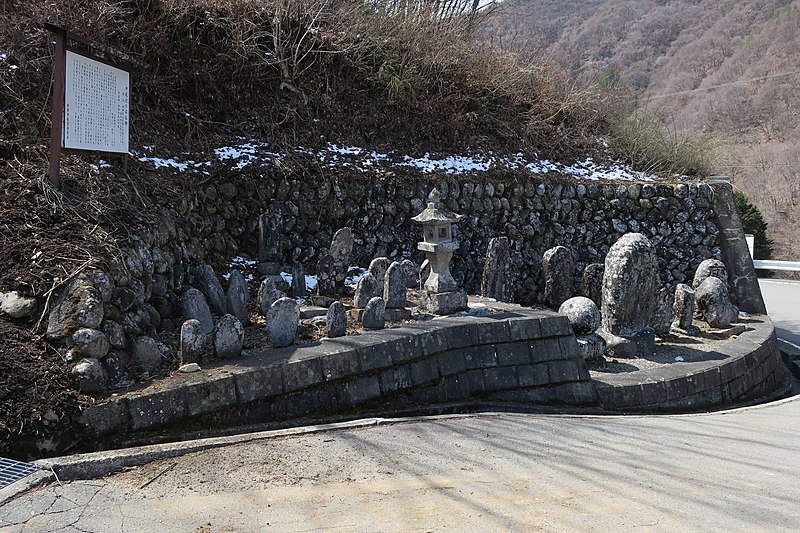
pixel 282 320
pixel 397 314
pixel 443 303
pixel 299 289
pixel 311 311
pixel 145 354
pixel 189 368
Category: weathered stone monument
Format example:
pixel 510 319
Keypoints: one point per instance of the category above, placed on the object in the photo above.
pixel 714 304
pixel 326 280
pixel 378 268
pixel 374 314
pixel 684 310
pixel 441 295
pixel 336 320
pixel 593 282
pixel 584 317
pixel 299 289
pixel 341 251
pixel 367 289
pixel 710 268
pixel 237 297
pixel 558 265
pixel 663 313
pixel 268 293
pixel 282 320
pixel 228 337
pixel 496 281
pixel 192 342
pixel 270 243
pixel 630 283
pixel 394 286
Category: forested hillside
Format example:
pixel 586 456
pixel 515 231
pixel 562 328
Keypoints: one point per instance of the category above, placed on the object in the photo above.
pixel 728 68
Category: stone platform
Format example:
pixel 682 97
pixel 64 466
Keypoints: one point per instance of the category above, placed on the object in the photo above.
pixel 517 355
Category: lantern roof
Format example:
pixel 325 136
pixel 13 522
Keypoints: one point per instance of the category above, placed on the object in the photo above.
pixel 436 212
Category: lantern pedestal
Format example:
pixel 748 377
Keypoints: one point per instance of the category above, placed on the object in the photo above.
pixel 443 303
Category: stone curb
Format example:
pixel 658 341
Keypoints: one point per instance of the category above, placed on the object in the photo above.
pixel 752 369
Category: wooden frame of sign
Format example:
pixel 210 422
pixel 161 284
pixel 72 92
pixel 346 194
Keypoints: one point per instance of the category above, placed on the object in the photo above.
pixel 91 101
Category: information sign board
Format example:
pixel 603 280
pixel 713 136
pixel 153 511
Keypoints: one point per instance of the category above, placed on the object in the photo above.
pixel 96 105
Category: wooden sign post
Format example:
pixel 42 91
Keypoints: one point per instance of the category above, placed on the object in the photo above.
pixel 91 101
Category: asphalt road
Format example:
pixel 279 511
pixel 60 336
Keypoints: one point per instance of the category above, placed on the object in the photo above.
pixel 735 471
pixel 782 298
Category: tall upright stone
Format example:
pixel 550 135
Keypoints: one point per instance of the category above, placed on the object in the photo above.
pixel 299 289
pixel 237 297
pixel 496 281
pixel 367 289
pixel 270 242
pixel 412 273
pixel 593 282
pixel 684 310
pixel 193 340
pixel 394 286
pixel 341 251
pixel 326 281
pixel 630 285
pixel 558 265
pixel 213 290
pixel 663 313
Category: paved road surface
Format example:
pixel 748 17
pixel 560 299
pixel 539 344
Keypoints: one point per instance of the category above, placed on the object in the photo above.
pixel 736 471
pixel 783 306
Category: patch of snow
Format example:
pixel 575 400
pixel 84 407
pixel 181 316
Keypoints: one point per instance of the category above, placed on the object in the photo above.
pixel 334 155
pixel 354 275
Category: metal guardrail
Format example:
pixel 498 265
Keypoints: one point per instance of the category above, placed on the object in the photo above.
pixel 776 265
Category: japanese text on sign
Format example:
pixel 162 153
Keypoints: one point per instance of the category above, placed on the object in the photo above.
pixel 96 106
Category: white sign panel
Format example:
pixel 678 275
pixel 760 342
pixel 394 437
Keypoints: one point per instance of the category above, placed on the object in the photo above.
pixel 96 106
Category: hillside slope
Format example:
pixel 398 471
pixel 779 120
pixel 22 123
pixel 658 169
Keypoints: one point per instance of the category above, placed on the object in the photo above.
pixel 719 67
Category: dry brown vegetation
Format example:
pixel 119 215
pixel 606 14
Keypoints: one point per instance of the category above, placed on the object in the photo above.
pixel 727 68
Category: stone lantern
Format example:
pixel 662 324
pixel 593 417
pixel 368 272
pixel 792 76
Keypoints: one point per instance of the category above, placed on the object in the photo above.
pixel 441 294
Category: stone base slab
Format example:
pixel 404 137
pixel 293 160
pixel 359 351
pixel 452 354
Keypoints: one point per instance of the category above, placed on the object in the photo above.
pixel 443 303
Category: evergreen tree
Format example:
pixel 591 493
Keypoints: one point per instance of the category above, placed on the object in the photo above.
pixel 754 223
